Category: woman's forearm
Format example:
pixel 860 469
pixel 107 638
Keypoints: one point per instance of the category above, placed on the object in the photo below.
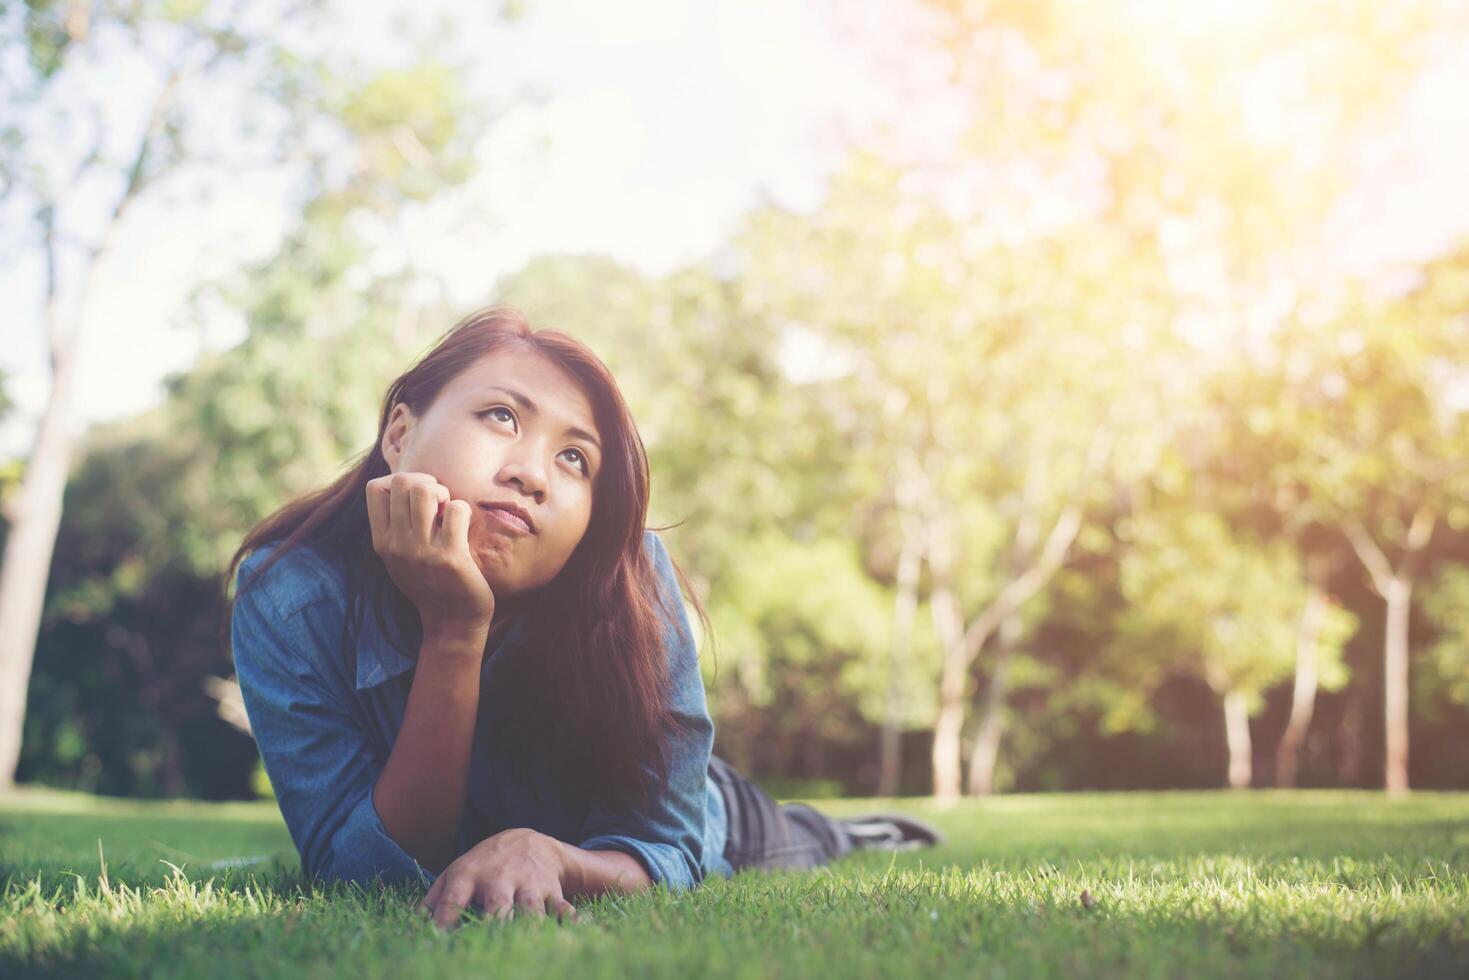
pixel 420 793
pixel 593 873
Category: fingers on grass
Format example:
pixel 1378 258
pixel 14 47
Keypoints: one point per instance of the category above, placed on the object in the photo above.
pixel 500 905
pixel 529 904
pixel 452 902
pixel 426 907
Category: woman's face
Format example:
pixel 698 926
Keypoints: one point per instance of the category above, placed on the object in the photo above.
pixel 513 428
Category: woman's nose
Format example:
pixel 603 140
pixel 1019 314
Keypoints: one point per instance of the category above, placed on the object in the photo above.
pixel 526 473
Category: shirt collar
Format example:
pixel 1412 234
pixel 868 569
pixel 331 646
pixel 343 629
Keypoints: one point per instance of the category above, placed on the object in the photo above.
pixel 379 660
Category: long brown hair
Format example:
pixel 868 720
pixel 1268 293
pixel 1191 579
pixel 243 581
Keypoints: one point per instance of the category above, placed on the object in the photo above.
pixel 593 684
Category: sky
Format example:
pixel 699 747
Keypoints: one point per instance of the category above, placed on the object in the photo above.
pixel 660 123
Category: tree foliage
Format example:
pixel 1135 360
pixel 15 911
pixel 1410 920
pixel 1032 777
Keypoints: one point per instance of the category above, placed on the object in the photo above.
pixel 1048 360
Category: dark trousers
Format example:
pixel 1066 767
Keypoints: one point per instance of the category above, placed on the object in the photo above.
pixel 770 835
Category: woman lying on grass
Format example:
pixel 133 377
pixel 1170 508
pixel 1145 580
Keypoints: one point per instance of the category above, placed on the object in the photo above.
pixel 467 663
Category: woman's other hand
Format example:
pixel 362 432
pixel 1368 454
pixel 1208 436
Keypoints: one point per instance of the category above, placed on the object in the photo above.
pixel 516 872
pixel 423 538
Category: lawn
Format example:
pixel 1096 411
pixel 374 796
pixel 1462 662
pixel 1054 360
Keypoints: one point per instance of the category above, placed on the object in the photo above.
pixel 1160 884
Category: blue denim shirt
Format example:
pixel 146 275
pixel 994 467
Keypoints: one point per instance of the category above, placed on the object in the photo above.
pixel 325 719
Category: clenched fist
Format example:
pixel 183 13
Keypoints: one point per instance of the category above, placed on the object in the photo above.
pixel 422 536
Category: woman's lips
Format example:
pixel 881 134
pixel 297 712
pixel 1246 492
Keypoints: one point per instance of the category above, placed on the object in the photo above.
pixel 500 517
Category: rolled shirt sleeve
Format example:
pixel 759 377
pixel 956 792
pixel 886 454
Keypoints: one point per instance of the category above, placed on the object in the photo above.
pixel 320 764
pixel 668 838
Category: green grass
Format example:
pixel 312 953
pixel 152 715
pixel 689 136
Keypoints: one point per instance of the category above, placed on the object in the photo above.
pixel 1177 885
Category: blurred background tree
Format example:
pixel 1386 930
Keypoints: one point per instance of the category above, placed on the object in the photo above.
pixel 76 173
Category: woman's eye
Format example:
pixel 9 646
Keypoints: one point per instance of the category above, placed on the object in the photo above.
pixel 580 460
pixel 497 412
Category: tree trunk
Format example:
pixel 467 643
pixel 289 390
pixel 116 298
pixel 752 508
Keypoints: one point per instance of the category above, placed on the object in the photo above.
pixel 25 566
pixel 986 750
pixel 961 644
pixel 1237 735
pixel 905 611
pixel 35 516
pixel 1395 685
pixel 946 732
pixel 953 682
pixel 1395 586
pixel 1303 700
pixel 992 718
